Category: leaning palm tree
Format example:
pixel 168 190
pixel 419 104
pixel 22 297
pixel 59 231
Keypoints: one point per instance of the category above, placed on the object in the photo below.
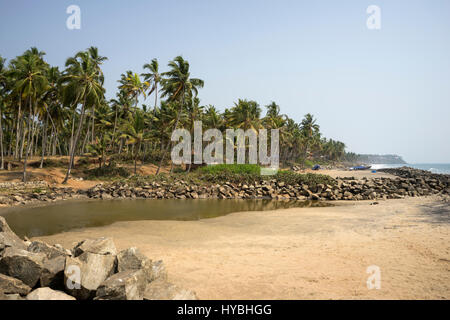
pixel 82 84
pixel 177 84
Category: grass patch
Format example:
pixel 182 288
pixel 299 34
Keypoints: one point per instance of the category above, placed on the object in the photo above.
pixel 310 179
pixel 231 168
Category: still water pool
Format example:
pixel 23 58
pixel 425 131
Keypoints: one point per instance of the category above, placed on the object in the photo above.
pixel 64 216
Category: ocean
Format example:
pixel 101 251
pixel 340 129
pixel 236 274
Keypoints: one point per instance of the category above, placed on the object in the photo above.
pixel 432 167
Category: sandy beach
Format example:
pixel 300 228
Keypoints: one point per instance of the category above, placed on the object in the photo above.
pixel 300 253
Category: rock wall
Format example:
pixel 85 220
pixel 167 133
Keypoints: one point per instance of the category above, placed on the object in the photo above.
pixel 408 183
pixel 93 269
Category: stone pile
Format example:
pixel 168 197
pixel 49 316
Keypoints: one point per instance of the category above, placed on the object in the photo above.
pixel 408 183
pixel 93 269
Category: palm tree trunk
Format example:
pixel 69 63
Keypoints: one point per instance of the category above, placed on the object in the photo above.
pixel 93 124
pixel 156 94
pixel 1 141
pixel 16 153
pixel 73 130
pixel 44 141
pixel 77 136
pixel 24 179
pixel 112 144
pixel 22 142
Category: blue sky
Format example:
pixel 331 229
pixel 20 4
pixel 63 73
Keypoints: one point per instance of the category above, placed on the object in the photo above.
pixel 379 91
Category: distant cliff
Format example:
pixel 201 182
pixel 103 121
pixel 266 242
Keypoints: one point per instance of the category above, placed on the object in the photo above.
pixel 380 159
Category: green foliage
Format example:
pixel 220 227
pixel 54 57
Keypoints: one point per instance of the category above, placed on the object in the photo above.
pixel 53 112
pixel 231 168
pixel 308 163
pixel 107 172
pixel 310 179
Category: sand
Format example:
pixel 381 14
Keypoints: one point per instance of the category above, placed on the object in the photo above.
pixel 300 253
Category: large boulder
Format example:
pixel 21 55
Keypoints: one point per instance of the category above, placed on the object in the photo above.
pixel 163 290
pixel 14 296
pixel 84 274
pixel 8 238
pixel 50 251
pixel 10 285
pixel 125 285
pixel 133 259
pixel 23 265
pixel 48 294
pixel 52 274
pixel 159 271
pixel 97 246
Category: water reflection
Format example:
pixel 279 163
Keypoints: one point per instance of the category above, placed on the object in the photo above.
pixel 56 218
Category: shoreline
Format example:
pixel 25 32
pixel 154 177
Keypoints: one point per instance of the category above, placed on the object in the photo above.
pixel 294 253
pixel 396 183
pixel 298 253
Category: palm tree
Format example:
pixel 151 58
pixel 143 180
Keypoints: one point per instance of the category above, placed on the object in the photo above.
pixel 99 148
pixel 153 77
pixel 3 88
pixel 245 115
pixel 48 101
pixel 134 132
pixel 212 118
pixel 176 85
pixel 309 129
pixel 82 84
pixel 195 113
pixel 132 85
pixel 98 61
pixel 30 82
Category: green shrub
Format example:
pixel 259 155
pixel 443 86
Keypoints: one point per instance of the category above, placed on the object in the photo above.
pixel 107 172
pixel 311 179
pixel 231 168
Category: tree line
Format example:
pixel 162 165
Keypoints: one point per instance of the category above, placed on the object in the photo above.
pixel 45 111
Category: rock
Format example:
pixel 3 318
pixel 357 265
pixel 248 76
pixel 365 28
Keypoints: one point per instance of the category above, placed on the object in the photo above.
pixel 106 196
pixel 15 296
pixel 348 195
pixel 98 246
pixel 60 247
pixel 8 238
pixel 125 285
pixel 23 265
pixel 159 271
pixel 48 294
pixel 53 273
pixel 93 270
pixel 49 251
pixel 314 197
pixel 10 285
pixel 133 259
pixel 163 290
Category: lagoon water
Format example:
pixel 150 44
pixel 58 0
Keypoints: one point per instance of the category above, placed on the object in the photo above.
pixel 443 168
pixel 60 217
